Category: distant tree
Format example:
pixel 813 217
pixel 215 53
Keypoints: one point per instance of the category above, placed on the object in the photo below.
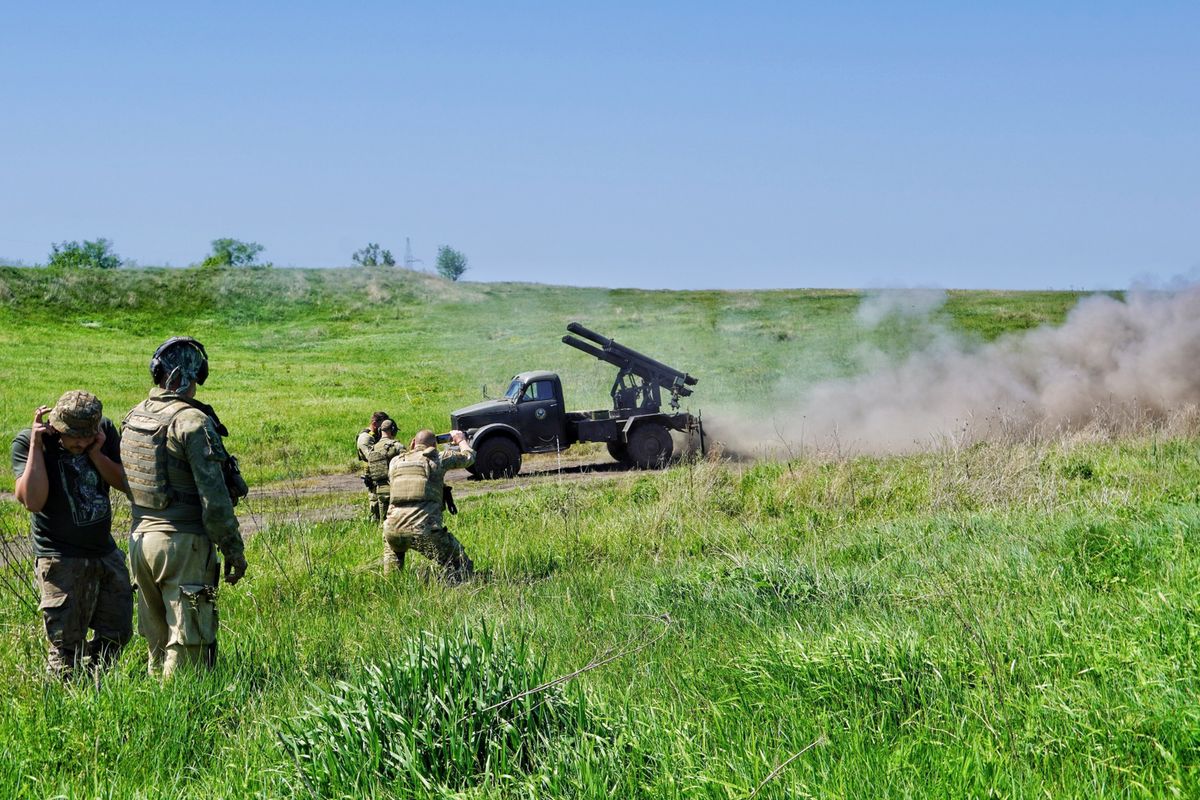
pixel 233 253
pixel 451 263
pixel 88 255
pixel 373 256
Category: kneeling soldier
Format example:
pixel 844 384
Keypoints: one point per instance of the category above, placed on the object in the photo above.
pixel 415 519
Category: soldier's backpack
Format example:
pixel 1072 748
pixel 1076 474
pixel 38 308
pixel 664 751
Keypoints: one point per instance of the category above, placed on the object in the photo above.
pixel 378 457
pixel 411 479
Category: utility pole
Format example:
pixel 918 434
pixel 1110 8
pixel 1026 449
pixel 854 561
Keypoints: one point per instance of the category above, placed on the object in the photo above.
pixel 409 261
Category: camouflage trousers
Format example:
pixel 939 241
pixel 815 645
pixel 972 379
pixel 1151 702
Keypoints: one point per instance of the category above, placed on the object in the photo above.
pixel 176 575
pixel 82 593
pixel 384 501
pixel 432 541
pixel 373 504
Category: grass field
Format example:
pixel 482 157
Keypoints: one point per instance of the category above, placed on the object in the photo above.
pixel 1016 619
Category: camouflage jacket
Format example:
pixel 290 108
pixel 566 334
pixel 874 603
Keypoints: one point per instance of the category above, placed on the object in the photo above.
pixel 195 457
pixel 366 440
pixel 420 517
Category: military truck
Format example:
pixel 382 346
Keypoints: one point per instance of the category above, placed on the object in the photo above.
pixel 532 415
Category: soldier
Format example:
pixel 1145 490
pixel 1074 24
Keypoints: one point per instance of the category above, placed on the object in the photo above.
pixel 367 438
pixel 378 458
pixel 177 468
pixel 64 470
pixel 415 519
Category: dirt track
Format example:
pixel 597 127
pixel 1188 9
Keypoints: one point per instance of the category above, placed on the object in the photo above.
pixel 536 471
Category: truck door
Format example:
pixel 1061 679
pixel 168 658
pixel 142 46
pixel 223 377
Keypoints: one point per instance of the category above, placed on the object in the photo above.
pixel 540 413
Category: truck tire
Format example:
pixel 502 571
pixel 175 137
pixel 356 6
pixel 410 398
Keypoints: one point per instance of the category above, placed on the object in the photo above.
pixel 650 445
pixel 497 457
pixel 619 451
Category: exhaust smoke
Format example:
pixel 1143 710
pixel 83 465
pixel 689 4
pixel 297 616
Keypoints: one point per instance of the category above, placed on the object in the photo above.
pixel 1113 363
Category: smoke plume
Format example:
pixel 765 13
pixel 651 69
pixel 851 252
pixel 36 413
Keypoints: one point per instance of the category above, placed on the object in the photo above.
pixel 1112 362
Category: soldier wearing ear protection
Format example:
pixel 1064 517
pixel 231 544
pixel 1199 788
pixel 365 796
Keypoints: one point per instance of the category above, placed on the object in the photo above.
pixel 183 485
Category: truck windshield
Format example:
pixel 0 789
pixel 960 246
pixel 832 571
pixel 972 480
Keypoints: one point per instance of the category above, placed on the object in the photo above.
pixel 514 391
pixel 539 390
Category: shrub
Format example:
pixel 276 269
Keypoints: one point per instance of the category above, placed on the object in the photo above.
pixel 433 714
pixel 88 255
pixel 451 264
pixel 233 253
pixel 373 256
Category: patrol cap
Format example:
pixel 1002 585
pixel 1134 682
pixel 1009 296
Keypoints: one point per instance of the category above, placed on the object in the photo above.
pixel 77 414
pixel 388 425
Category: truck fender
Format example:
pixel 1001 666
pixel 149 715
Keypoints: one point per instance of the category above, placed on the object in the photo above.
pixel 497 428
pixel 629 423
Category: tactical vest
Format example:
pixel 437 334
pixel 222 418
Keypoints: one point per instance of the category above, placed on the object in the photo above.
pixel 413 479
pixel 377 460
pixel 146 460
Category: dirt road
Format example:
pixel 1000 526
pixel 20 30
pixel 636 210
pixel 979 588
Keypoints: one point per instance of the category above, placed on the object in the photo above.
pixel 537 471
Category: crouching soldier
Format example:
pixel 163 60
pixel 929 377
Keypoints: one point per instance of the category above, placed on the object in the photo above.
pixel 414 521
pixel 180 480
pixel 64 470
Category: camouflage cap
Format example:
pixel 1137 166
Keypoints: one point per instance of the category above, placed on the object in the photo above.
pixel 387 426
pixel 77 414
pixel 182 361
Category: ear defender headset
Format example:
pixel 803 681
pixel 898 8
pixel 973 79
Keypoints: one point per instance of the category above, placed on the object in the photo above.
pixel 158 369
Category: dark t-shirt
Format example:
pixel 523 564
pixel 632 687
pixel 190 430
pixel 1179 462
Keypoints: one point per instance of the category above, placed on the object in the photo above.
pixel 76 520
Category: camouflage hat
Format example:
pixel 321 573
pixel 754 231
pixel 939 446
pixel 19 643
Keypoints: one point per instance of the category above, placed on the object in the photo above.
pixel 77 414
pixel 387 426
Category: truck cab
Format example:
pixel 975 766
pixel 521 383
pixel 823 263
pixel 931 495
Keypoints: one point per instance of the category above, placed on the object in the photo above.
pixel 529 418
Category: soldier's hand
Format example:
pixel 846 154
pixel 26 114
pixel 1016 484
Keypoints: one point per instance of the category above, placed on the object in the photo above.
pixel 97 442
pixel 40 428
pixel 235 568
pixel 458 437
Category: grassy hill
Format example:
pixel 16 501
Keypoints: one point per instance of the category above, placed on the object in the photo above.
pixel 1005 620
pixel 300 358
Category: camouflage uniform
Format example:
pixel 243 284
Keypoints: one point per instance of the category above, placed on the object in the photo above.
pixel 173 549
pixel 415 519
pixel 81 593
pixel 386 449
pixel 81 574
pixel 367 440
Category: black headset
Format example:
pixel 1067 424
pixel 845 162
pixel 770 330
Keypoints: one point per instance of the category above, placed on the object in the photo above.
pixel 158 369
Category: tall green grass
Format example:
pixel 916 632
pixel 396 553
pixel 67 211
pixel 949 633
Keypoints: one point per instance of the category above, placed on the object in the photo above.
pixel 1012 619
pixel 938 632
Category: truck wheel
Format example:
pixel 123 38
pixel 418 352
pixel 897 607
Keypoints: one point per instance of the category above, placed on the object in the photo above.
pixel 498 457
pixel 619 451
pixel 650 445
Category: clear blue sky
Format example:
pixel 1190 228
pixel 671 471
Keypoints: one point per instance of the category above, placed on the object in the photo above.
pixel 668 144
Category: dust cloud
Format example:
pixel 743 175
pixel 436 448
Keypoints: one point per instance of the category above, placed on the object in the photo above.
pixel 1113 364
